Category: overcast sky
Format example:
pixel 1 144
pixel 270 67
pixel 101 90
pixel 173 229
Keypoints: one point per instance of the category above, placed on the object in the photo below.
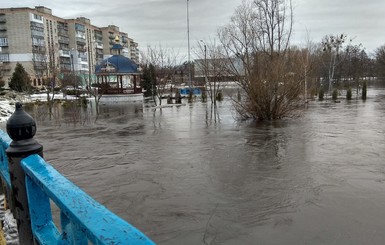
pixel 164 22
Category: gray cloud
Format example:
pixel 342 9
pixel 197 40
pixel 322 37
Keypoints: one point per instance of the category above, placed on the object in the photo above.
pixel 163 22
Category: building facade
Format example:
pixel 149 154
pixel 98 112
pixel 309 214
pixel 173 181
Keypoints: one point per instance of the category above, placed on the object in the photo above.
pixel 48 46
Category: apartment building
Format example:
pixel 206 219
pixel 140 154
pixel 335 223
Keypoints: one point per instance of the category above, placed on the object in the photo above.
pixel 48 46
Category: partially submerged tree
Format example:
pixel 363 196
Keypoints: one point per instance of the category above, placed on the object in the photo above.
pixel 149 80
pixel 70 79
pixel 164 62
pixel 45 62
pixel 98 88
pixel 257 44
pixel 380 61
pixel 332 45
pixel 20 80
pixel 214 66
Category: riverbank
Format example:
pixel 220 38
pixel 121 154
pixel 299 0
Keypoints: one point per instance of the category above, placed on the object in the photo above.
pixel 9 98
pixel 7 105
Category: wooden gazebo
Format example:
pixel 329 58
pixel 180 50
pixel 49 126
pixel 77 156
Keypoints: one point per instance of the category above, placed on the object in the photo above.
pixel 118 74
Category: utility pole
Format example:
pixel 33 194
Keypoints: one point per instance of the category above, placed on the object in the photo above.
pixel 188 46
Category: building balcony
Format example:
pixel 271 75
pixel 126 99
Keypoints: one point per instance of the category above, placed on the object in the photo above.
pixel 64 53
pixel 3 42
pixel 38 42
pixel 84 69
pixel 3 20
pixel 39 65
pixel 80 35
pixel 63 33
pixel 80 40
pixel 64 40
pixel 3 28
pixel 99 45
pixel 65 60
pixel 65 67
pixel 4 57
pixel 39 50
pixel 82 49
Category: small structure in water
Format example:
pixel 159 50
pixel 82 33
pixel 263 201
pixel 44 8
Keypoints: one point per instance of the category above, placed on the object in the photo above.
pixel 118 77
pixel 187 91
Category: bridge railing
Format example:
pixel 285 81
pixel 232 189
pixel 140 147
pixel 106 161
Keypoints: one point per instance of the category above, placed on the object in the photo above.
pixel 5 141
pixel 82 219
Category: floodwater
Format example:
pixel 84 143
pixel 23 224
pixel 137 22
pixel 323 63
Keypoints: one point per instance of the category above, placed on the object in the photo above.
pixel 187 175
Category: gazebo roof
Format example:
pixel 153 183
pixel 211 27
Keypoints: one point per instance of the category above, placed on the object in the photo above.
pixel 117 64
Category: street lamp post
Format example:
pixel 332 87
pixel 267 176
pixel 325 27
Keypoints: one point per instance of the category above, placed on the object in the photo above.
pixel 188 46
pixel 205 67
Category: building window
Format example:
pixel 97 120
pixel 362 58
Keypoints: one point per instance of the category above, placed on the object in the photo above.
pixel 37 17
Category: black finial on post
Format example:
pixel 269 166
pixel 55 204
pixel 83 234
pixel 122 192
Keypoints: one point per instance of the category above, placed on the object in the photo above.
pixel 21 128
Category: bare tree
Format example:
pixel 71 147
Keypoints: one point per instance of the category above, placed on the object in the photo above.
pixel 257 44
pixel 165 62
pixel 332 45
pixel 98 87
pixel 380 61
pixel 46 68
pixel 214 66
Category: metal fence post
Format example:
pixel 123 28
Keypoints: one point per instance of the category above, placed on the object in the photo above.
pixel 21 128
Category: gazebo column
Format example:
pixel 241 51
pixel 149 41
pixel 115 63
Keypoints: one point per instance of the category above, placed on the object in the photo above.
pixel 121 82
pixel 135 84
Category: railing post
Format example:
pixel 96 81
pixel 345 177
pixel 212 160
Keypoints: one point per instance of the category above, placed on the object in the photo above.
pixel 21 128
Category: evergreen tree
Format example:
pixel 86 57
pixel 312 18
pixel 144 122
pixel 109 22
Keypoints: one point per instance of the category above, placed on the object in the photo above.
pixel 20 80
pixel 149 80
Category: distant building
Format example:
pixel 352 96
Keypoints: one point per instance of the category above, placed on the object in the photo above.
pixel 221 69
pixel 47 45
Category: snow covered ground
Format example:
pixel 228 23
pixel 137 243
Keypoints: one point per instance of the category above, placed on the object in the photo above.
pixel 7 103
pixel 7 107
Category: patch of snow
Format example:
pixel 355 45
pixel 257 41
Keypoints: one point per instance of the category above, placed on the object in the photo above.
pixel 7 107
pixel 9 224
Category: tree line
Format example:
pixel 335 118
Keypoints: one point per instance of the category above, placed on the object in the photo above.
pixel 254 49
pixel 276 77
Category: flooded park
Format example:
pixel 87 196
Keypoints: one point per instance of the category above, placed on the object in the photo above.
pixel 194 175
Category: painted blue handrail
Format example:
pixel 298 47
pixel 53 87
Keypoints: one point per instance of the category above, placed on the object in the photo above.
pixel 82 218
pixel 5 141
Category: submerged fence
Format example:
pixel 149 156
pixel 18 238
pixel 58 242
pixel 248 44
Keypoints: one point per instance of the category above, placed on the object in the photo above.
pixel 30 183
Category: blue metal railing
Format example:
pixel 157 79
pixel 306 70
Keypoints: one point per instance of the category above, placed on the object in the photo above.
pixel 82 218
pixel 4 171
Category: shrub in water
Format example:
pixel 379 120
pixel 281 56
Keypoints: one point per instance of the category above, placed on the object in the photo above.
pixel 364 91
pixel 349 94
pixel 335 94
pixel 321 93
pixel 190 96
pixel 219 96
pixel 204 96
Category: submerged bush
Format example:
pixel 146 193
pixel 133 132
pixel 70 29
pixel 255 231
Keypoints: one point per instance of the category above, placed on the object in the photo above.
pixel 335 94
pixel 364 91
pixel 321 93
pixel 349 94
pixel 219 96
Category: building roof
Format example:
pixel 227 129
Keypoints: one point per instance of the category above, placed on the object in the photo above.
pixel 117 64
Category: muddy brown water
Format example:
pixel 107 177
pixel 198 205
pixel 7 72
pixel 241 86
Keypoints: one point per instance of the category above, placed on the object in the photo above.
pixel 187 175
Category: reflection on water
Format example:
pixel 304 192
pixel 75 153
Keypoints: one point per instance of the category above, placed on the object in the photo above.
pixel 193 175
